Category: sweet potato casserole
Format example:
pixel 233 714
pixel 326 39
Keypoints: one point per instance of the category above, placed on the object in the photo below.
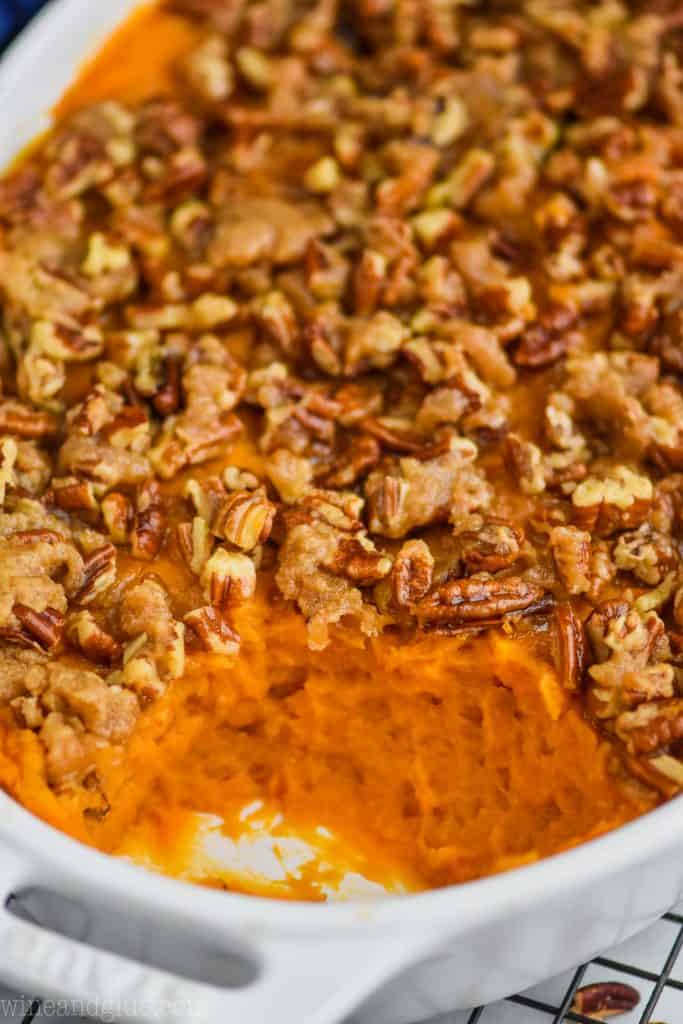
pixel 342 432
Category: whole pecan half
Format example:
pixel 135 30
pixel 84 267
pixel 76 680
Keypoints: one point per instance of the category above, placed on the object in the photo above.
pixel 478 598
pixel 605 999
pixel 571 645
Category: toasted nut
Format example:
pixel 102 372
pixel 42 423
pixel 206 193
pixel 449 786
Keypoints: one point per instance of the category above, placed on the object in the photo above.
pixel 23 421
pixel 605 999
pixel 571 646
pixel 359 561
pixel 85 634
pixel 620 500
pixel 149 522
pixel 323 176
pixel 228 578
pixel 477 599
pixel 495 545
pixel 195 543
pixel 526 462
pixel 245 518
pixel 105 256
pixel 213 631
pixel 412 573
pixel 117 513
pixel 8 457
pixel 99 573
pixel 74 495
pixel 45 628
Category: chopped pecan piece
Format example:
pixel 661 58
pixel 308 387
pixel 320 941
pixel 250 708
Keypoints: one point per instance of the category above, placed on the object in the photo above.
pixel 23 421
pixel 412 573
pixel 84 633
pixel 228 578
pixel 213 631
pixel 571 550
pixel 646 553
pixel 42 628
pixel 652 727
pixel 493 545
pixel 633 658
pixel 244 518
pixel 195 543
pixel 149 522
pixel 358 560
pixel 525 460
pixel 619 500
pixel 99 573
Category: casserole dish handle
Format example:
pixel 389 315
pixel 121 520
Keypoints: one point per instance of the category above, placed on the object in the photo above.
pixel 301 980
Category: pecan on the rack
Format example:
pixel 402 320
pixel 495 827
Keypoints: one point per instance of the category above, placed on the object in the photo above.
pixel 605 999
pixel 479 599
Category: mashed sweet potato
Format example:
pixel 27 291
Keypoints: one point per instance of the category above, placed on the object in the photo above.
pixel 384 633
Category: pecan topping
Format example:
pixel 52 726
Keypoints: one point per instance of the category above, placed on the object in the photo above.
pixel 245 518
pixel 617 501
pixel 358 560
pixel 478 599
pixel 228 578
pixel 605 999
pixel 99 573
pixel 571 646
pixel 84 633
pixel 495 545
pixel 149 522
pixel 44 628
pixel 23 421
pixel 213 631
pixel 411 576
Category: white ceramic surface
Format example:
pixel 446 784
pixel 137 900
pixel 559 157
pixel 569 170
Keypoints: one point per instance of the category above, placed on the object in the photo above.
pixel 466 945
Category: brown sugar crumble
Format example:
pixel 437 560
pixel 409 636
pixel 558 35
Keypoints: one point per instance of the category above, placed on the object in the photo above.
pixel 376 313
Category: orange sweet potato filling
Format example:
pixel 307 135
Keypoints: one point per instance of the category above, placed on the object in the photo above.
pixel 432 760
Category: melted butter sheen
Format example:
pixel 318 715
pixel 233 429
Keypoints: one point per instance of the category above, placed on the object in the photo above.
pixel 429 761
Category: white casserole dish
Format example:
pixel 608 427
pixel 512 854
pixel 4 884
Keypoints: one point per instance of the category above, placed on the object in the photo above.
pixel 317 963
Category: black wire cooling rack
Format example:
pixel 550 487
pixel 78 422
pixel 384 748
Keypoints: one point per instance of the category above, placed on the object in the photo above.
pixel 654 985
